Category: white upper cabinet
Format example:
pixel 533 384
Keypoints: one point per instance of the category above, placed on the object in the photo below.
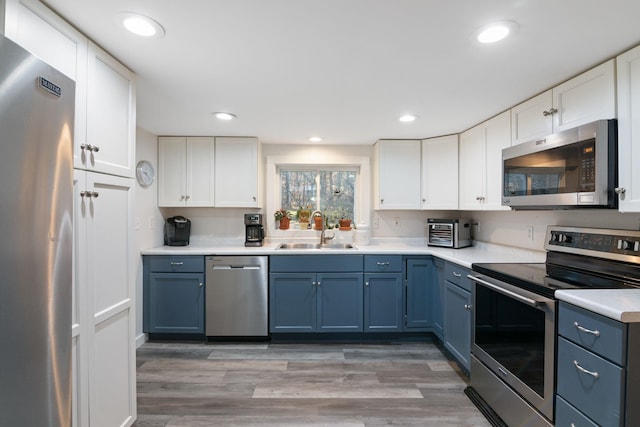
pixel 111 124
pixel 629 130
pixel 585 98
pixel 186 171
pixel 236 172
pixel 481 164
pixel 397 184
pixel 440 173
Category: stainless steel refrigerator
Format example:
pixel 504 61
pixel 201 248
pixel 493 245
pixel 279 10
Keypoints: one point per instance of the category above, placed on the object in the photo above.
pixel 36 234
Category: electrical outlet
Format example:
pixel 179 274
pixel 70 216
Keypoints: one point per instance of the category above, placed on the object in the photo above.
pixel 396 221
pixel 530 232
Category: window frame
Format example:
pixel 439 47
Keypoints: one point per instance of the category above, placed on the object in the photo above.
pixel 362 202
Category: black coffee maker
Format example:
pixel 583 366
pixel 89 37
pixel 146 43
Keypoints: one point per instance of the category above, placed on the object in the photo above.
pixel 177 231
pixel 254 231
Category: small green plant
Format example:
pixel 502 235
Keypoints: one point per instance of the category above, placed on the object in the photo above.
pixel 281 213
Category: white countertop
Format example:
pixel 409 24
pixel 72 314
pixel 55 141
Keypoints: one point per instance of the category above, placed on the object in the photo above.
pixel 622 305
pixel 480 252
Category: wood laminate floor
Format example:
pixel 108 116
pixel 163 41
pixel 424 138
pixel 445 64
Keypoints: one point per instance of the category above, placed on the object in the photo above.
pixel 269 385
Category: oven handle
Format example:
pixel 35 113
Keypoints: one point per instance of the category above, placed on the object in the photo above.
pixel 506 292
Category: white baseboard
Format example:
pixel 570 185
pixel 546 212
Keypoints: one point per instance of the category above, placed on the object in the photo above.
pixel 141 339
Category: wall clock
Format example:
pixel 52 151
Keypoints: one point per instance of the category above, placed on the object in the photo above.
pixel 145 173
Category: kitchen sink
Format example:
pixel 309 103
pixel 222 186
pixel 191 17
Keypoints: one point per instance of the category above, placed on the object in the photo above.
pixel 315 246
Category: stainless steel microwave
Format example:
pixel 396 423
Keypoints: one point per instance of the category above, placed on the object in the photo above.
pixel 576 168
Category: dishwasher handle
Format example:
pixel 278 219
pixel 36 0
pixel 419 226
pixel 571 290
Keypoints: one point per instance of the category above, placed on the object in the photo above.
pixel 236 267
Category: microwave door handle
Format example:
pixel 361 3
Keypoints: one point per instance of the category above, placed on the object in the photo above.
pixel 506 292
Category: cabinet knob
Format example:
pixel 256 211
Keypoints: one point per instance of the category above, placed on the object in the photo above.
pixel 467 306
pixel 366 283
pixel 549 112
pixel 620 190
pixel 187 197
pixel 95 148
pixel 200 284
pixel 254 198
pixel 381 201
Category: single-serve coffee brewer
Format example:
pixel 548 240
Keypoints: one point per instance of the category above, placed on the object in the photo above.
pixel 254 231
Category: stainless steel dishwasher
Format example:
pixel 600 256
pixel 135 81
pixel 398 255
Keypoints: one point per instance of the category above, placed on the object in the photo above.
pixel 237 296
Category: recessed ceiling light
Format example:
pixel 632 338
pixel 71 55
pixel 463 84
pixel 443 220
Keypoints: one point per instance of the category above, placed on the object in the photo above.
pixel 224 116
pixel 408 118
pixel 495 32
pixel 315 139
pixel 140 25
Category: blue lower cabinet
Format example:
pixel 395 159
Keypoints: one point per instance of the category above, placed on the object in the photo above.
pixel 457 321
pixel 339 302
pixel 436 299
pixel 173 294
pixel 316 302
pixel 293 302
pixel 383 297
pixel 176 303
pixel 420 275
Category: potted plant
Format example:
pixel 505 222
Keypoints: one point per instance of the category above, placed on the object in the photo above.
pixel 317 221
pixel 282 215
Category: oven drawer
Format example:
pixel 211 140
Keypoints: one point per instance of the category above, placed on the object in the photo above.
pixel 567 415
pixel 601 397
pixel 455 274
pixel 383 263
pixel 597 333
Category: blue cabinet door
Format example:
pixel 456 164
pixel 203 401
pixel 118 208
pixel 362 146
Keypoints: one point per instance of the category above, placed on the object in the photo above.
pixel 457 322
pixel 176 303
pixel 383 308
pixel 292 302
pixel 339 300
pixel 419 273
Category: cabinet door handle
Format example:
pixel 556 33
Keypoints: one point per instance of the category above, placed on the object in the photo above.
pixel 549 112
pixel 177 263
pixel 585 330
pixel 382 264
pixel 584 371
pixel 457 274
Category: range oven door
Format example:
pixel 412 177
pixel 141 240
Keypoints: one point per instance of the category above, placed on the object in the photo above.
pixel 513 335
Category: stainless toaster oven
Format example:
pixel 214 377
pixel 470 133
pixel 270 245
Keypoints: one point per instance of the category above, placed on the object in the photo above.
pixel 449 233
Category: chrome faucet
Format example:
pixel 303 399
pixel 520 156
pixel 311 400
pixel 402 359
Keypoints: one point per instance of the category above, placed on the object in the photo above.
pixel 323 237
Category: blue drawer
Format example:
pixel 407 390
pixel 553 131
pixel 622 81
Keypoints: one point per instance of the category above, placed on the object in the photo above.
pixel 383 263
pixel 610 340
pixel 567 415
pixel 601 398
pixel 458 275
pixel 176 264
pixel 315 263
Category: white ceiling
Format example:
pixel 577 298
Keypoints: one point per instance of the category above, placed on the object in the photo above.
pixel 347 69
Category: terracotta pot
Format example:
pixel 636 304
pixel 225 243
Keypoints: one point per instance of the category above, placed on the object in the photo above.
pixel 345 224
pixel 284 223
pixel 317 221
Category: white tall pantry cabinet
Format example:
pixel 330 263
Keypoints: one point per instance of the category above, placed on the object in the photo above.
pixel 103 318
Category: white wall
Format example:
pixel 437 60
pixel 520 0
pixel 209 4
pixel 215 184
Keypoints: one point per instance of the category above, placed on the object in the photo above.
pixel 148 218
